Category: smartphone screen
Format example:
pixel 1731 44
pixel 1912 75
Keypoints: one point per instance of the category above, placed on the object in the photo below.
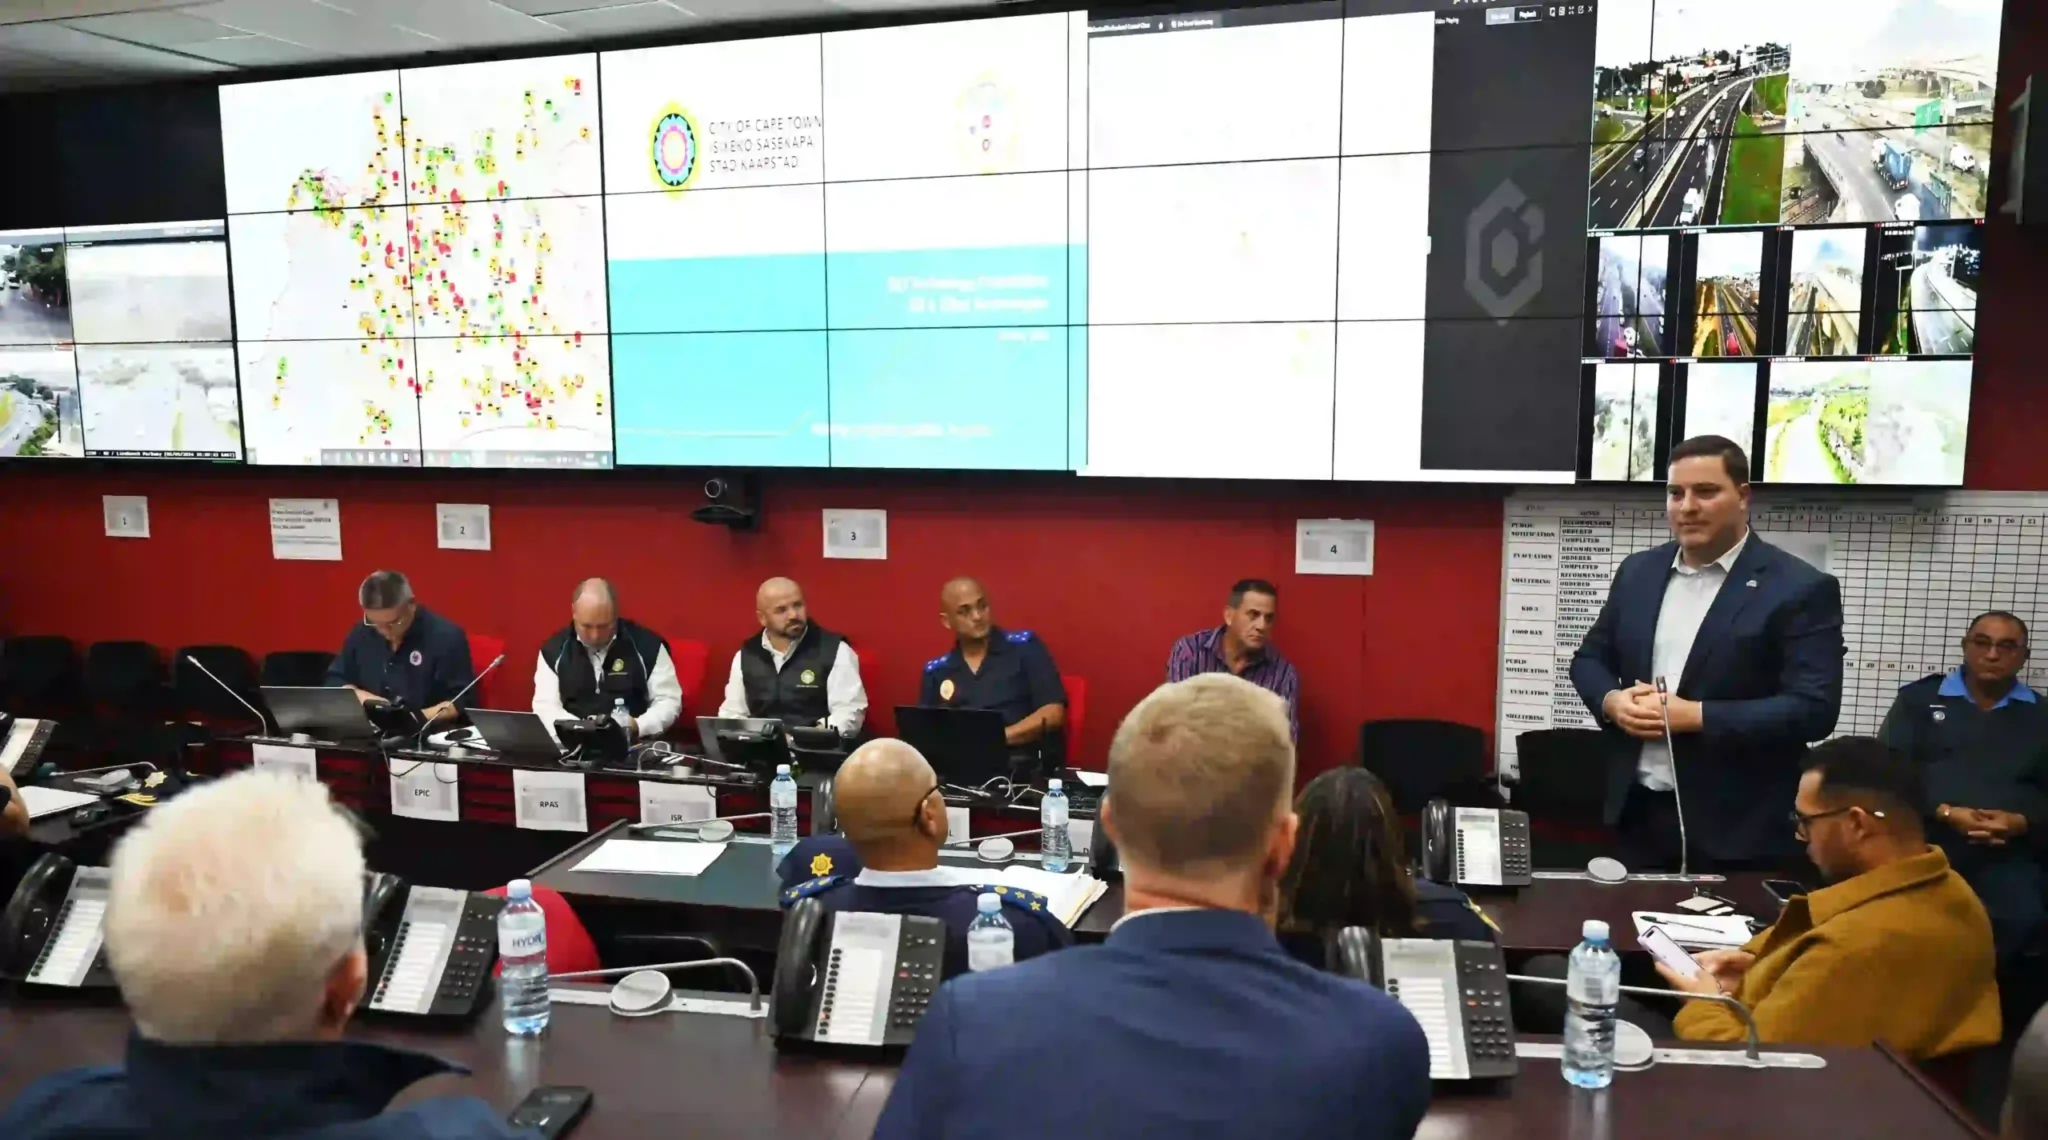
pixel 551 1110
pixel 1662 948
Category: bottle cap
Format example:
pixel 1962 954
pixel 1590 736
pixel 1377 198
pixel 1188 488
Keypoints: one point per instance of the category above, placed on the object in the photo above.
pixel 782 769
pixel 519 889
pixel 1053 785
pixel 988 903
pixel 1594 930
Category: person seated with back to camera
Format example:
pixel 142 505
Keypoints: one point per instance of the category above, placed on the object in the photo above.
pixel 893 821
pixel 242 973
pixel 1349 869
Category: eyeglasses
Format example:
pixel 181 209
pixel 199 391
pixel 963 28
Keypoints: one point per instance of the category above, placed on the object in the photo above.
pixel 1800 820
pixel 1985 645
pixel 404 615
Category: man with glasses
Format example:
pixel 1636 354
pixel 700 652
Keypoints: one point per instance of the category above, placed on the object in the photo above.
pixel 894 822
pixel 403 652
pixel 1980 736
pixel 1895 946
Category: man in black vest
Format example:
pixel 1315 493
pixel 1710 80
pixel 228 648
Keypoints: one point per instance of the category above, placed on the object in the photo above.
pixel 601 659
pixel 796 672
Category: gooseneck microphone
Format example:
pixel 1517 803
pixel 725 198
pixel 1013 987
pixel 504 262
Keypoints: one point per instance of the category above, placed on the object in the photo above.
pixel 473 682
pixel 261 720
pixel 1677 795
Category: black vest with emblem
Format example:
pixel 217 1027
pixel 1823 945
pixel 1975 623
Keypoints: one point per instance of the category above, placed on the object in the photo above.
pixel 627 665
pixel 796 694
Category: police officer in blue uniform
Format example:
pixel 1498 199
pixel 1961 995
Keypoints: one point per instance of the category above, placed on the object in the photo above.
pixel 1009 671
pixel 895 822
pixel 404 653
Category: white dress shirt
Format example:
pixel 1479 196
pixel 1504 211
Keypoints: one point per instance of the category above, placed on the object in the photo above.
pixel 940 876
pixel 1688 594
pixel 846 699
pixel 664 690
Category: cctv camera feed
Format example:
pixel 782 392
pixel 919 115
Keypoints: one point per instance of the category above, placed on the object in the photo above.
pixel 1820 165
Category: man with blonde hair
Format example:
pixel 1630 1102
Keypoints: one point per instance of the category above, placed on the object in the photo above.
pixel 1191 1018
pixel 234 927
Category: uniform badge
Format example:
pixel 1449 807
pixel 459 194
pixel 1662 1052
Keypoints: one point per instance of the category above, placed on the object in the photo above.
pixel 618 664
pixel 821 865
pixel 416 658
pixel 946 689
pixel 1940 715
pixel 808 677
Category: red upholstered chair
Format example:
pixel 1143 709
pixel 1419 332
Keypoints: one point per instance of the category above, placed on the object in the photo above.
pixel 1077 716
pixel 491 691
pixel 690 658
pixel 570 947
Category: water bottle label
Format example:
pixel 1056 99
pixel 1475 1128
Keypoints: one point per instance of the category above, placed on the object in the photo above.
pixel 990 955
pixel 518 944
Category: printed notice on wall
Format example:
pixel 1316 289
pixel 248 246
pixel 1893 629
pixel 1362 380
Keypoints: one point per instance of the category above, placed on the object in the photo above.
pixel 462 526
pixel 305 530
pixel 857 534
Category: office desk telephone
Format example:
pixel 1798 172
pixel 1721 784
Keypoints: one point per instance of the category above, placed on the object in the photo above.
pixel 22 742
pixel 854 978
pixel 431 949
pixel 1458 991
pixel 1475 847
pixel 51 933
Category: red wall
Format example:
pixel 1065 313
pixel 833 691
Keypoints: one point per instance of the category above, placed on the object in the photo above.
pixel 1108 574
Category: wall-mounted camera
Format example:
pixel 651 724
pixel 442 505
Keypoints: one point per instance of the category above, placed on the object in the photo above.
pixel 730 501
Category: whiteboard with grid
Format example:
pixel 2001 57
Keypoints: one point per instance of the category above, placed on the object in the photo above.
pixel 1913 571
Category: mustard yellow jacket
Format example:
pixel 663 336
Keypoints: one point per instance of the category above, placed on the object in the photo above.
pixel 1902 954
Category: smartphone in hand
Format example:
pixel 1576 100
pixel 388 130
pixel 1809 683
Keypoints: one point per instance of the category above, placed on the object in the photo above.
pixel 1670 953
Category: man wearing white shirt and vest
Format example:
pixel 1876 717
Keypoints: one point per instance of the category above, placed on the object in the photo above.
pixel 1747 641
pixel 796 672
pixel 600 659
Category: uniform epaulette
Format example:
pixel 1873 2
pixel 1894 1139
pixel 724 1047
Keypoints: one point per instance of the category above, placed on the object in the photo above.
pixel 1018 637
pixel 809 887
pixel 936 663
pixel 1015 896
pixel 1483 916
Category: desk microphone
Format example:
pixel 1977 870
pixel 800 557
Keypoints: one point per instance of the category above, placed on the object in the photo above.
pixel 473 682
pixel 1677 796
pixel 1752 1050
pixel 261 720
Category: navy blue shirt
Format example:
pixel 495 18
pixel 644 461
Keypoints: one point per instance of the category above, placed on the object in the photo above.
pixel 430 665
pixel 1017 678
pixel 334 1090
pixel 1440 912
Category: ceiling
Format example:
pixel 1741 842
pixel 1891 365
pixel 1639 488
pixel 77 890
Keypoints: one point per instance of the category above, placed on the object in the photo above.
pixel 73 43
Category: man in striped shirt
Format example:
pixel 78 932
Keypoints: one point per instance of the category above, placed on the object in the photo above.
pixel 1240 646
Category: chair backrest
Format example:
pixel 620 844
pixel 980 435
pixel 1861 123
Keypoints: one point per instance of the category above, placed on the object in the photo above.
pixel 691 659
pixel 1561 774
pixel 570 947
pixel 1421 759
pixel 126 677
pixel 483 649
pixel 300 668
pixel 199 698
pixel 1077 716
pixel 39 676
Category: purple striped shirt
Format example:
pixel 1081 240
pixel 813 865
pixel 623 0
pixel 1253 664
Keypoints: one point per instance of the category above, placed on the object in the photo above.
pixel 1202 652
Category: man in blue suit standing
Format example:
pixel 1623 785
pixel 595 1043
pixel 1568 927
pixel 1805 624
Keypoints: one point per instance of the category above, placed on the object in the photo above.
pixel 1190 1021
pixel 1733 643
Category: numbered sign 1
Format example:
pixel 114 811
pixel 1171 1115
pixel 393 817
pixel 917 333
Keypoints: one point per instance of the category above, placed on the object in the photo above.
pixel 676 803
pixel 549 801
pixel 420 790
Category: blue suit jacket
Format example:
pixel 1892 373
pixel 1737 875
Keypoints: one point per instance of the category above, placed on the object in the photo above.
pixel 1188 1024
pixel 1768 666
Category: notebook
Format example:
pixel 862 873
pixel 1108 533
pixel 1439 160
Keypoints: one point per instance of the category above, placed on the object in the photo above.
pixel 1067 895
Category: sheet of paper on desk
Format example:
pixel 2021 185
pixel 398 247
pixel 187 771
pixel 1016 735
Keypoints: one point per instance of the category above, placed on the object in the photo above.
pixel 652 857
pixel 43 801
pixel 1094 779
pixel 1697 930
pixel 1068 895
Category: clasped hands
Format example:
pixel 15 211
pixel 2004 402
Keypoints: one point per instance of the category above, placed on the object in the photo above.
pixel 1721 972
pixel 1984 826
pixel 1636 711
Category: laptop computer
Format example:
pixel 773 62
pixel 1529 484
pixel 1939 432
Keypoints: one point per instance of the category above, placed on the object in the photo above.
pixel 515 732
pixel 709 728
pixel 965 746
pixel 320 711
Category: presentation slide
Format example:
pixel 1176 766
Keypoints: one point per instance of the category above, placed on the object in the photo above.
pixel 1253 83
pixel 313 144
pixel 1249 241
pixel 330 403
pixel 738 260
pixel 1159 395
pixel 722 399
pixel 160 400
pixel 519 128
pixel 970 398
pixel 35 299
pixel 1901 422
pixel 947 252
pixel 968 97
pixel 708 116
pixel 135 284
pixel 1720 399
pixel 39 412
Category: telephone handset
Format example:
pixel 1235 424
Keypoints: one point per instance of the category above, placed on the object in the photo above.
pixel 1477 847
pixel 22 742
pixel 1457 991
pixel 53 930
pixel 431 949
pixel 854 977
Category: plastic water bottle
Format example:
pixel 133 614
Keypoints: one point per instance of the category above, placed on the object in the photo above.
pixel 782 813
pixel 1054 847
pixel 620 716
pixel 1591 989
pixel 990 941
pixel 523 960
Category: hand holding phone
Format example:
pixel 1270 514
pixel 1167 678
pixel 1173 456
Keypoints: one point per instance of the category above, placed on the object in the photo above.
pixel 1670 953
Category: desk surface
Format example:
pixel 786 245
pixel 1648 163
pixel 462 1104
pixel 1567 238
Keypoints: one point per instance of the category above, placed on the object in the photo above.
pixel 721 1076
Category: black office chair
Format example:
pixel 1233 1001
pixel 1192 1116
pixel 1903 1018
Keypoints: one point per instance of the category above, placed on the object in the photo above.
pixel 1562 783
pixel 303 668
pixel 39 678
pixel 199 699
pixel 1422 760
pixel 131 701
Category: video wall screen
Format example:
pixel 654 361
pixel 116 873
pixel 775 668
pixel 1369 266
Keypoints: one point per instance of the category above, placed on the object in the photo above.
pixel 1786 234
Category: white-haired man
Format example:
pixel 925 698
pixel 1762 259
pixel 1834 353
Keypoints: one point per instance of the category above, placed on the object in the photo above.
pixel 234 926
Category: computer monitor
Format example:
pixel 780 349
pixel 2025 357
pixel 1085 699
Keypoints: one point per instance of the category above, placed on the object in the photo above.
pixel 327 712
pixel 966 747
pixel 514 732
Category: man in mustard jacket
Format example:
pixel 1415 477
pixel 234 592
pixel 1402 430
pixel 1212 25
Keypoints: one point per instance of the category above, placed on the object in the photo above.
pixel 1896 947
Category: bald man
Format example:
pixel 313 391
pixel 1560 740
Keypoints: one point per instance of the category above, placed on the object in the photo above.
pixel 797 672
pixel 894 822
pixel 992 668
pixel 601 659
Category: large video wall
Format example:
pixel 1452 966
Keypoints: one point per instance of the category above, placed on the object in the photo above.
pixel 1367 240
